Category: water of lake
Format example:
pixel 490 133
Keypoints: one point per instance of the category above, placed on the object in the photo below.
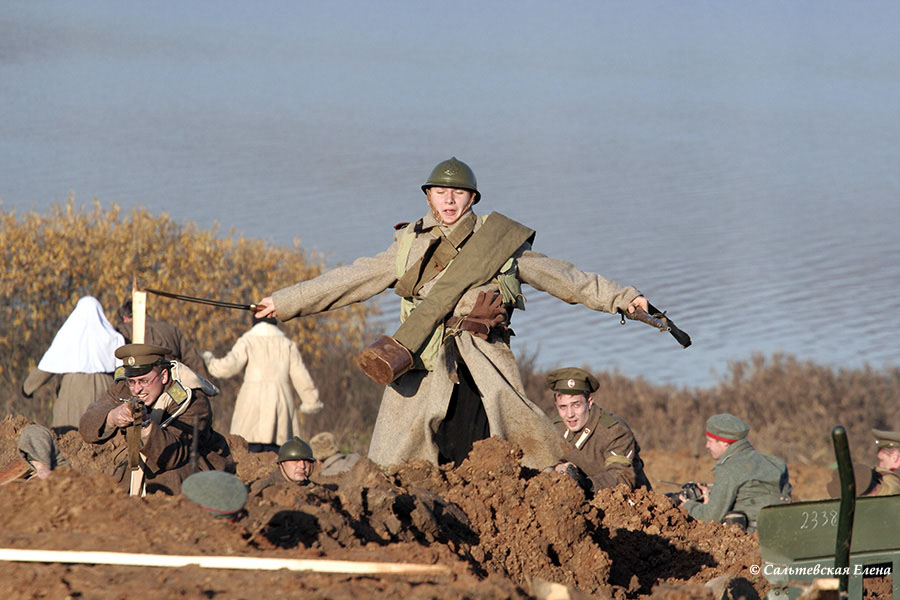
pixel 737 162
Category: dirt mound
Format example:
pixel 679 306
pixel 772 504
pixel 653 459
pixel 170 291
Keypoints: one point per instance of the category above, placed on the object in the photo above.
pixel 502 530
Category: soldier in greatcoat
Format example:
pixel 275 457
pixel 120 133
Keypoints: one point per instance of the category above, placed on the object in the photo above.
pixel 602 451
pixel 451 376
pixel 175 404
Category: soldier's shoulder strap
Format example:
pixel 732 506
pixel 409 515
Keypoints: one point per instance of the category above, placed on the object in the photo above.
pixel 606 419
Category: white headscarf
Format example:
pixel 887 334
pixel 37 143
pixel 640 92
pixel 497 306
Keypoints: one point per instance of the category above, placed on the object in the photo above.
pixel 86 342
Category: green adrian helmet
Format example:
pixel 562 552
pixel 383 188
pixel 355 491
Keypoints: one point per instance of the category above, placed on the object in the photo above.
pixel 455 174
pixel 295 449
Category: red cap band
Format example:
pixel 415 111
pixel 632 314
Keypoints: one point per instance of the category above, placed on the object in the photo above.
pixel 720 438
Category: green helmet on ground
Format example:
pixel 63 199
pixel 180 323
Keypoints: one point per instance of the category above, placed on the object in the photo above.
pixel 453 173
pixel 295 449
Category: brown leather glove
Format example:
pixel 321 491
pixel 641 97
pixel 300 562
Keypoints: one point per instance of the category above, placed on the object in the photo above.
pixel 487 313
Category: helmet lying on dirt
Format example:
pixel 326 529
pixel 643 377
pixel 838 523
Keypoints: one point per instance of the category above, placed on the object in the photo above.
pixel 295 449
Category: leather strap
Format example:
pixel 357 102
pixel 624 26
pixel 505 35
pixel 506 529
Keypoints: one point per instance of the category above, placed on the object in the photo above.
pixel 441 250
pixel 476 264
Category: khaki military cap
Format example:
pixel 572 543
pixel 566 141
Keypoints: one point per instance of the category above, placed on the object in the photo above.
pixel 139 359
pixel 726 428
pixel 886 439
pixel 572 380
pixel 323 445
pixel 218 492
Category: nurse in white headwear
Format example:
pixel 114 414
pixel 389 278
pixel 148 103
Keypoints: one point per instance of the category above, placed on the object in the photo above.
pixel 79 363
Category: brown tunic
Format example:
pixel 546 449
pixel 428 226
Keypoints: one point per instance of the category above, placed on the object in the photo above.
pixel 167 451
pixel 273 478
pixel 606 451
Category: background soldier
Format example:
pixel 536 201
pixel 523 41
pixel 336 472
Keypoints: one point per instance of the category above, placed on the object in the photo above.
pixel 295 465
pixel 888 444
pixel 601 445
pixel 745 480
pixel 162 334
pixel 38 448
pixel 326 452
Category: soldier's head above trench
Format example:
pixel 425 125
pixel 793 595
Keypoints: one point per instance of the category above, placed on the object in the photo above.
pixel 572 393
pixel 888 444
pixel 296 459
pixel 145 369
pixel 722 430
pixel 451 189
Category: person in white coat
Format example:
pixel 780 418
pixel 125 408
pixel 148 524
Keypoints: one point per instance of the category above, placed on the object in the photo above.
pixel 264 413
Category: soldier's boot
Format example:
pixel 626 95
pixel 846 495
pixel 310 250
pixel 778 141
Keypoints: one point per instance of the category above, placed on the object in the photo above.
pixel 385 360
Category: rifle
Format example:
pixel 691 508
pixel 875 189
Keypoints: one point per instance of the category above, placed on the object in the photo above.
pixel 690 490
pixel 657 318
pixel 133 437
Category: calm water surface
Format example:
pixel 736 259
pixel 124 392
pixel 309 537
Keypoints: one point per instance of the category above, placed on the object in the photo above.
pixel 735 162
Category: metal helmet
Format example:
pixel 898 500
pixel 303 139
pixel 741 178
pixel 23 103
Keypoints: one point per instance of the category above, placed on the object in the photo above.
pixel 295 449
pixel 455 174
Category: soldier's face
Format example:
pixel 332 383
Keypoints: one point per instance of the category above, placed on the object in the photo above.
pixel 449 204
pixel 716 447
pixel 150 386
pixel 574 410
pixel 889 458
pixel 297 471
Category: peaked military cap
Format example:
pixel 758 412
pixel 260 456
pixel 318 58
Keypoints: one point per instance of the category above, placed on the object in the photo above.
pixel 726 428
pixel 139 359
pixel 886 439
pixel 218 492
pixel 572 380
pixel 323 445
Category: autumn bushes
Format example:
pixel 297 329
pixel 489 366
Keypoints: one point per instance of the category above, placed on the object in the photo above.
pixel 50 261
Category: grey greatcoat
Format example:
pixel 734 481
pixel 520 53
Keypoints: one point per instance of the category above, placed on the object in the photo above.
pixel 413 407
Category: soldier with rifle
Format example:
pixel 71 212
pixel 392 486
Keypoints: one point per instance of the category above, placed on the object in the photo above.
pixel 602 451
pixel 153 418
pixel 746 480
pixel 450 376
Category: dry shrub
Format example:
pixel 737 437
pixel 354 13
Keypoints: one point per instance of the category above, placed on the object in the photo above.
pixel 50 261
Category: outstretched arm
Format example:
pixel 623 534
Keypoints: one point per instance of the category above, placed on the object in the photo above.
pixel 568 283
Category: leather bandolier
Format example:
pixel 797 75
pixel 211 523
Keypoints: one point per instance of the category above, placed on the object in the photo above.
pixel 464 260
pixel 474 264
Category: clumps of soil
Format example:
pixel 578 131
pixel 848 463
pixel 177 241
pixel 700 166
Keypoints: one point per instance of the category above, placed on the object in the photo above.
pixel 503 531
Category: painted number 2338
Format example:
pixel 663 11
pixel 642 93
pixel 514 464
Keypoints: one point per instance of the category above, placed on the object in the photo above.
pixel 819 518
